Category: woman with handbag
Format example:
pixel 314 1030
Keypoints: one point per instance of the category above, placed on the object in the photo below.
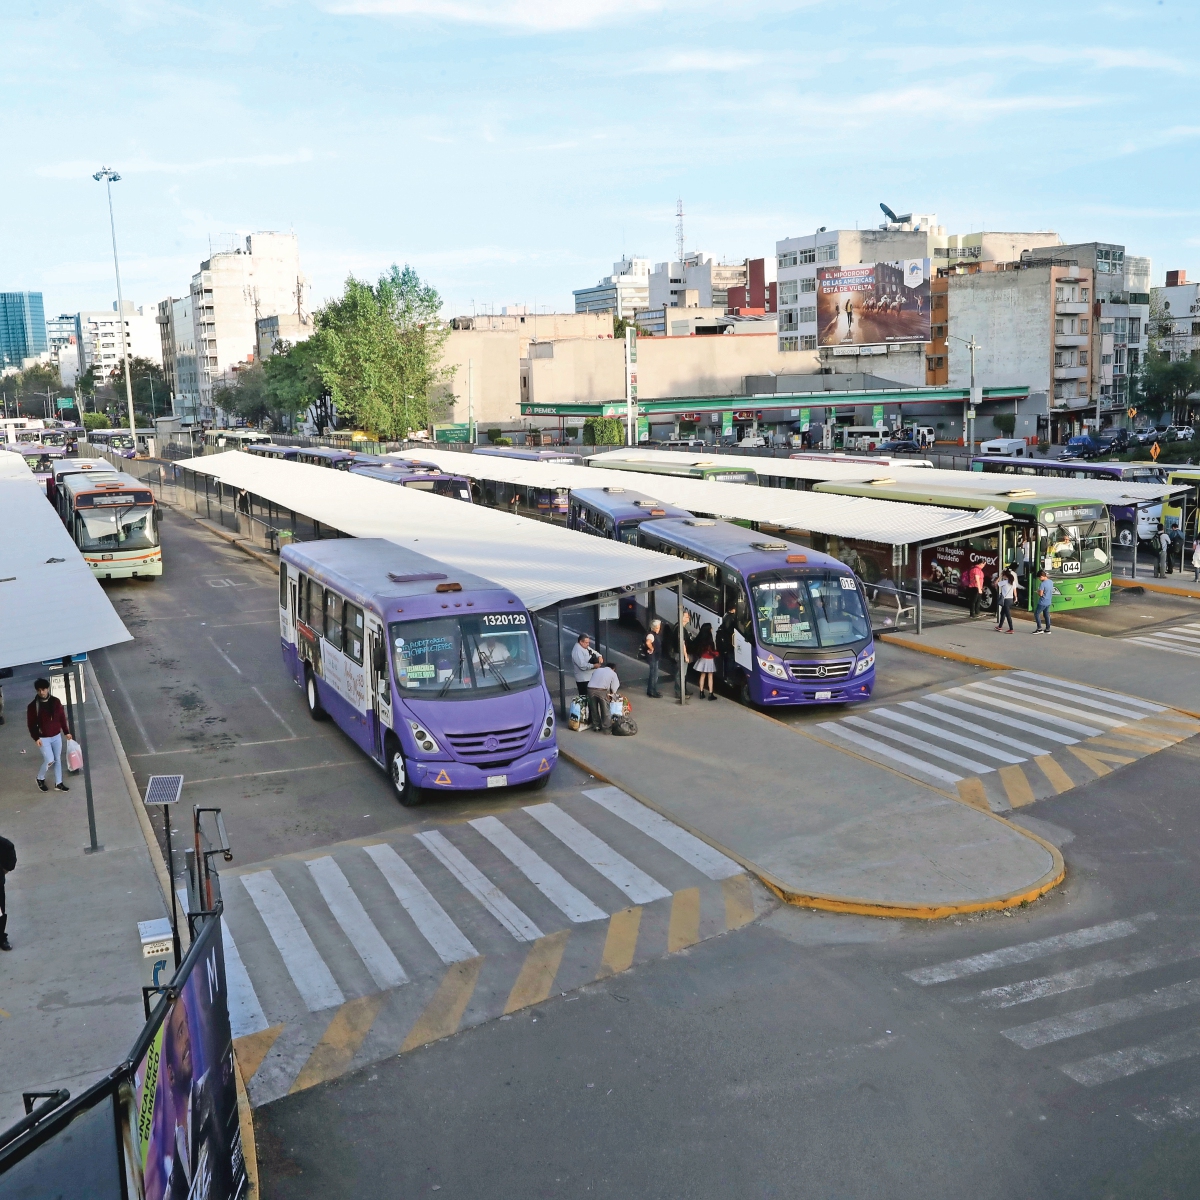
pixel 704 655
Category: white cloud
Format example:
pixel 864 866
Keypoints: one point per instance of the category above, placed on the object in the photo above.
pixel 534 16
pixel 1100 57
pixel 695 60
pixel 81 168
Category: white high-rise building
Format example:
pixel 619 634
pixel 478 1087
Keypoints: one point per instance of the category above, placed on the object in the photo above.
pixel 98 336
pixel 231 292
pixel 623 293
pixel 178 333
pixel 671 281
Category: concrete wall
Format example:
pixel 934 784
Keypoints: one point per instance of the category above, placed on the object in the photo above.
pixel 490 362
pixel 1010 314
pixel 712 365
pixel 576 371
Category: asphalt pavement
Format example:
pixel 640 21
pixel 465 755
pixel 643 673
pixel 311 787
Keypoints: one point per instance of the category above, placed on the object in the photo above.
pixel 1050 1052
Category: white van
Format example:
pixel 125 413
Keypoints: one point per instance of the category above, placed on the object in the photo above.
pixel 1005 447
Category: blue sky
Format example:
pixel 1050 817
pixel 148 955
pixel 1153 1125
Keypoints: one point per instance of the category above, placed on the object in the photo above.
pixel 511 150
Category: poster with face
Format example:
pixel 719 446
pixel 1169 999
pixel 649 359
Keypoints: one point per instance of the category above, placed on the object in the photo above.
pixel 187 1133
pixel 872 303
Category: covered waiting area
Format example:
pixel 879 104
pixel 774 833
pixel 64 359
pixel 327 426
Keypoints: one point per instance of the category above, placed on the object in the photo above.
pixel 549 568
pixel 881 533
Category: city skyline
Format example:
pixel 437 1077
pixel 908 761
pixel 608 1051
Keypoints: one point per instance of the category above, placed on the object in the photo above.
pixel 766 125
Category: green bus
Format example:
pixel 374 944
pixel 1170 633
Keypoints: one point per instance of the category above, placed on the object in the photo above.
pixel 714 472
pixel 1071 538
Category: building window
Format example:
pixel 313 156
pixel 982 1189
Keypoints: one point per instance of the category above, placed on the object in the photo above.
pixel 809 285
pixel 1058 391
pixel 1083 295
pixel 1060 325
pixel 827 253
pixel 808 342
pixel 1059 359
pixel 789 343
pixel 808 255
pixel 1106 360
pixel 1083 358
pixel 1119 360
pixel 1106 327
pixel 788 291
pixel 807 316
pixel 1135 329
pixel 787 259
pixel 1083 325
pixel 1120 328
pixel 1134 359
pixel 787 320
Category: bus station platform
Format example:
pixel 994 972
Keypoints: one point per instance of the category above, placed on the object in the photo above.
pixel 820 826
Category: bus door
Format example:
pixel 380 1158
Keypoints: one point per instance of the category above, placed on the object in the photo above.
pixel 379 694
pixel 743 634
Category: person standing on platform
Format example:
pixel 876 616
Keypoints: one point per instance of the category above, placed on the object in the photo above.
pixel 652 648
pixel 47 721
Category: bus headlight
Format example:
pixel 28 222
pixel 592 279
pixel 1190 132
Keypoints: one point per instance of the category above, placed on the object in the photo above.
pixel 424 740
pixel 773 668
pixel 866 660
pixel 548 723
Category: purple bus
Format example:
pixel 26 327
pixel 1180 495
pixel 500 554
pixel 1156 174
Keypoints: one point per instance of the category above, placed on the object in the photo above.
pixel 440 483
pixel 801 631
pixel 271 450
pixel 434 673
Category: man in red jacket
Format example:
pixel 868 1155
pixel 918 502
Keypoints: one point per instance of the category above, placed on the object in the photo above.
pixel 47 722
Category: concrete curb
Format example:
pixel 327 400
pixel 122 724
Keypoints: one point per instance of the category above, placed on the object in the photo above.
pixel 206 524
pixel 896 640
pixel 139 809
pixel 1155 587
pixel 246 1125
pixel 851 904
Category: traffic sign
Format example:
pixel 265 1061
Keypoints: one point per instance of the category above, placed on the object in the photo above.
pixel 57 662
pixel 1155 452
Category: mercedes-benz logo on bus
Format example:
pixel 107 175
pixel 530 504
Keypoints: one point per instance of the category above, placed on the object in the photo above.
pixel 491 744
pixel 822 672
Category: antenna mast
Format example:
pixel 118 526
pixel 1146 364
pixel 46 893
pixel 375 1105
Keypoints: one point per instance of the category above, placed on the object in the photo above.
pixel 679 229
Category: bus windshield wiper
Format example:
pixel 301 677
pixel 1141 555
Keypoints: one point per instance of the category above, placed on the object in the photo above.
pixel 486 659
pixel 450 677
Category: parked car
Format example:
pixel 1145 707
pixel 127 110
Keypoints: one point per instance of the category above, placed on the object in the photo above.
pixel 1113 439
pixel 686 444
pixel 1185 433
pixel 1081 446
pixel 752 441
pixel 900 446
pixel 1143 437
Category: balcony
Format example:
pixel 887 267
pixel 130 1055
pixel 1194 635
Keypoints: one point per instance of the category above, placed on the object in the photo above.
pixel 1063 341
pixel 1068 308
pixel 1070 373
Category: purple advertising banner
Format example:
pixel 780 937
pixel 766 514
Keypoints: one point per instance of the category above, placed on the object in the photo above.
pixel 872 303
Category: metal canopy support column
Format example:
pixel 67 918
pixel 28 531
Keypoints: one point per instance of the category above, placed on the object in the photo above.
pixel 1137 524
pixel 679 649
pixel 558 658
pixel 920 605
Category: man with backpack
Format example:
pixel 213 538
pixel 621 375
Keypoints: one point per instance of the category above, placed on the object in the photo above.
pixel 47 721
pixel 1162 543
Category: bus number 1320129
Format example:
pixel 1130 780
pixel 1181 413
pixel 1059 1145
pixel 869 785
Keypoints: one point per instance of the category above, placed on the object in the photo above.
pixel 504 619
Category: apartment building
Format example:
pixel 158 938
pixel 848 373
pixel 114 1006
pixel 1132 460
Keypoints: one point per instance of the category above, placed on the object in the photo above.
pixel 1177 316
pixel 759 296
pixel 672 282
pixel 231 292
pixel 1120 317
pixel 281 328
pixel 623 293
pixel 177 332
pixel 98 336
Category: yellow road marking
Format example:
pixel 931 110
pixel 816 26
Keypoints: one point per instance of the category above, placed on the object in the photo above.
pixel 971 792
pixel 1109 756
pixel 1135 742
pixel 739 901
pixel 1060 781
pixel 538 971
pixel 1016 786
pixel 621 942
pixel 252 1049
pixel 4 1014
pixel 443 1013
pixel 684 929
pixel 1171 725
pixel 1089 760
pixel 340 1042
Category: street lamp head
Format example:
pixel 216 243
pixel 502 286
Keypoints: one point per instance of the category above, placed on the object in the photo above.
pixel 106 173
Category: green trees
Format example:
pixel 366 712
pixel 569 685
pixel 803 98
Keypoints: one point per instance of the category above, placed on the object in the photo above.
pixel 151 396
pixel 92 420
pixel 1165 385
pixel 377 349
pixel 604 431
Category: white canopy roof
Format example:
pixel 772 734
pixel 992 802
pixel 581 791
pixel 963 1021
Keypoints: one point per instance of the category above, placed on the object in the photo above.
pixel 880 521
pixel 50 602
pixel 541 563
pixel 989 483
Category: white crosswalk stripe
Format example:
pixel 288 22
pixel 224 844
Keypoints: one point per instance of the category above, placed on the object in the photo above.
pixel 997 696
pixel 633 881
pixel 958 704
pixel 1181 639
pixel 349 913
pixel 957 739
pixel 888 752
pixel 1121 1021
pixel 569 900
pixel 313 979
pixel 448 941
pixel 1130 701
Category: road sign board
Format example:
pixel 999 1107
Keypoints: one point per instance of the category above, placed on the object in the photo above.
pixel 57 662
pixel 1155 452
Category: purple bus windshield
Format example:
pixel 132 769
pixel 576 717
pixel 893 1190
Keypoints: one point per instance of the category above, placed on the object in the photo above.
pixel 464 657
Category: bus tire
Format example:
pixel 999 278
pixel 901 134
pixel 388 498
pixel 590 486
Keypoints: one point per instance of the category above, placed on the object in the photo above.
pixel 406 791
pixel 539 783
pixel 1125 534
pixel 312 697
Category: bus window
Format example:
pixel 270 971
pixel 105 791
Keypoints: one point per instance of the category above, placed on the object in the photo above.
pixel 1078 549
pixel 314 610
pixel 458 657
pixel 823 611
pixel 705 588
pixel 116 529
pixel 333 619
pixel 282 585
pixel 839 611
pixel 353 632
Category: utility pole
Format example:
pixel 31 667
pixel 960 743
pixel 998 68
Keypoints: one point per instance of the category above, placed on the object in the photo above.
pixel 471 400
pixel 679 243
pixel 110 177
pixel 972 345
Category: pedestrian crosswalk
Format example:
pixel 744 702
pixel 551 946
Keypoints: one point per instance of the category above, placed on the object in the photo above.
pixel 1012 737
pixel 1181 639
pixel 1117 1001
pixel 367 949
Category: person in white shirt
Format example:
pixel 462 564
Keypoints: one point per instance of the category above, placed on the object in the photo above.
pixel 602 690
pixel 1008 595
pixel 585 660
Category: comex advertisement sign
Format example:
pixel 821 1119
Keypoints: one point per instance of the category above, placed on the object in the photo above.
pixel 873 303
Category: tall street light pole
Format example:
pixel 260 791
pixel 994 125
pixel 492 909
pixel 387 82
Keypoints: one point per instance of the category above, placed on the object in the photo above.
pixel 110 177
